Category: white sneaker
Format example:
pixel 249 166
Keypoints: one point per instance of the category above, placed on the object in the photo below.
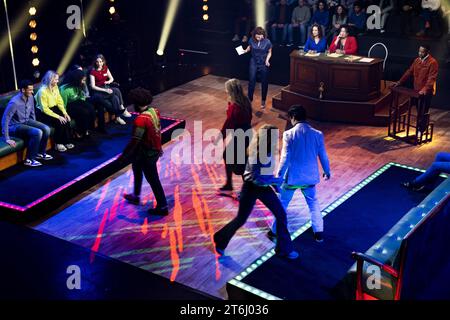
pixel 32 163
pixel 126 114
pixel 60 148
pixel 70 146
pixel 119 120
pixel 43 156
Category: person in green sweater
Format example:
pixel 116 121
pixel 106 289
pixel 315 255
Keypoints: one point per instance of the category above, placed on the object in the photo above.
pixel 76 103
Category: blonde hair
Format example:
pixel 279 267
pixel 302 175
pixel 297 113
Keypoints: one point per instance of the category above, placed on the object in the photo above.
pixel 48 78
pixel 236 93
pixel 263 135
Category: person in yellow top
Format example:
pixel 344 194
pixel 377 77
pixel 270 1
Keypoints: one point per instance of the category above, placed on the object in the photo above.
pixel 51 111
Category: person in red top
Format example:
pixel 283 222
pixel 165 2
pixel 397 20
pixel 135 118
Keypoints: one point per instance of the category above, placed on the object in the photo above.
pixel 239 116
pixel 424 70
pixel 144 150
pixel 343 43
pixel 101 81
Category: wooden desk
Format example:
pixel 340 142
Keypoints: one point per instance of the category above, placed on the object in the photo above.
pixel 337 89
pixel 342 79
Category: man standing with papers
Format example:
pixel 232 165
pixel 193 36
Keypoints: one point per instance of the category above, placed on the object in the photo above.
pixel 343 44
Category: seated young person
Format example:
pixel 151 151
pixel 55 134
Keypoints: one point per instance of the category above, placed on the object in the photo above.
pixel 343 43
pixel 316 41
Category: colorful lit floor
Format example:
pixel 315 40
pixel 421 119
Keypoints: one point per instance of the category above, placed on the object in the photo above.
pixel 179 246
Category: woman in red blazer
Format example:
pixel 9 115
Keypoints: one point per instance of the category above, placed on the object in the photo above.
pixel 343 43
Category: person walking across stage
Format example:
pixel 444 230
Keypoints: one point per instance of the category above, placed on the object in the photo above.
pixel 239 116
pixel 145 149
pixel 19 120
pixel 424 70
pixel 258 181
pixel 302 144
pixel 440 165
pixel 261 51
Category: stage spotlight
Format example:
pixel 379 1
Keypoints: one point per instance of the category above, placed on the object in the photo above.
pixel 168 22
pixel 33 36
pixel 32 11
pixel 112 10
pixel 205 17
pixel 260 12
pixel 34 49
pixel 159 52
pixel 32 24
pixel 205 7
pixel 74 44
pixel 35 62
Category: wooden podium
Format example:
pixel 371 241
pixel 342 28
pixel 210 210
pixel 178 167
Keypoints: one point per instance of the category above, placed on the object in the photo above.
pixel 341 89
pixel 403 122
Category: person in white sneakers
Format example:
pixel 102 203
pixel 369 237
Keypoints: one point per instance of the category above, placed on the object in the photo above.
pixel 51 110
pixel 103 87
pixel 19 120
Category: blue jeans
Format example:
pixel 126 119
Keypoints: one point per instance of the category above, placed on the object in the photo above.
pixel 274 33
pixel 440 165
pixel 35 132
pixel 263 71
pixel 249 194
pixel 302 31
pixel 309 193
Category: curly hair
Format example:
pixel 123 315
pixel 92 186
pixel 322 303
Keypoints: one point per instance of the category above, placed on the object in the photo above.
pixel 140 97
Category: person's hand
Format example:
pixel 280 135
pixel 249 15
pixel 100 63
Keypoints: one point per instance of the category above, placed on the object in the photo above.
pixel 12 143
pixel 109 91
pixel 338 51
pixel 406 7
pixel 67 117
pixel 267 63
pixel 395 84
pixel 422 92
pixel 327 176
pixel 62 120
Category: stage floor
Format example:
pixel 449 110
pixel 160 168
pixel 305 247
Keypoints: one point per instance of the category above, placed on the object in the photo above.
pixel 179 246
pixel 22 187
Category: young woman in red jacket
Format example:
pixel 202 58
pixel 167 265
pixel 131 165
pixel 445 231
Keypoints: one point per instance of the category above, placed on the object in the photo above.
pixel 239 116
pixel 343 43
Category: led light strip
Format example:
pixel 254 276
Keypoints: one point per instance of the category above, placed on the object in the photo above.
pixel 237 281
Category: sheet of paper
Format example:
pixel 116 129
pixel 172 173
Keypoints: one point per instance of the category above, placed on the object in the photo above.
pixel 240 50
pixel 366 60
pixel 334 55
pixel 353 58
pixel 312 54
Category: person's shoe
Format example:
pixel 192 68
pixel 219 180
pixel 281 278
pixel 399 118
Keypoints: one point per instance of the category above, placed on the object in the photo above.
pixel 32 163
pixel 70 146
pixel 158 211
pixel 272 236
pixel 120 121
pixel 244 39
pixel 131 198
pixel 226 188
pixel 60 148
pixel 263 105
pixel 318 236
pixel 43 156
pixel 235 38
pixel 291 256
pixel 412 186
pixel 126 114
pixel 382 31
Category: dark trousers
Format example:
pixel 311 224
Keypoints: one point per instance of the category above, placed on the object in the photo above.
pixel 144 165
pixel 235 156
pixel 35 133
pixel 263 72
pixel 84 115
pixel 423 107
pixel 62 131
pixel 111 102
pixel 100 106
pixel 249 194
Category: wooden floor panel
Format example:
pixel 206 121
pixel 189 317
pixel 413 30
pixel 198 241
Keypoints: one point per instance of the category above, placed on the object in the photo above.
pixel 179 246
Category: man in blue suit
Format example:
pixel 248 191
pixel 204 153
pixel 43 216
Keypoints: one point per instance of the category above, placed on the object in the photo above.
pixel 302 145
